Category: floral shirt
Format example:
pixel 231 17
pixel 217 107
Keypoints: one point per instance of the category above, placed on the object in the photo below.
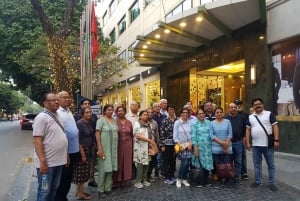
pixel 140 148
pixel 166 132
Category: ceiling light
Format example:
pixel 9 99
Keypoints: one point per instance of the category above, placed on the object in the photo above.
pixel 157 36
pixel 261 37
pixel 182 24
pixel 167 31
pixel 199 19
pixel 148 42
pixel 145 46
pixel 141 55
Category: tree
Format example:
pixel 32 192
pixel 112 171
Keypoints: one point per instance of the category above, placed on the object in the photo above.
pixel 10 100
pixel 57 30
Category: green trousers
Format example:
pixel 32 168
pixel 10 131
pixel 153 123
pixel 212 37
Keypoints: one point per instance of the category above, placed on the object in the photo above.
pixel 141 172
pixel 104 181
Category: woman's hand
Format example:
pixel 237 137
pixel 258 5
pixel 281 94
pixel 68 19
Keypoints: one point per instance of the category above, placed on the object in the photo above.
pixel 101 154
pixel 190 146
pixel 196 153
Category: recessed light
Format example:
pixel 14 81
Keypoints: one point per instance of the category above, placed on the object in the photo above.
pixel 141 55
pixel 157 36
pixel 261 37
pixel 167 31
pixel 199 19
pixel 148 42
pixel 145 46
pixel 182 24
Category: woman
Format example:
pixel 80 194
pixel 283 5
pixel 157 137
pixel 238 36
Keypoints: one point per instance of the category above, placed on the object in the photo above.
pixel 125 147
pixel 221 134
pixel 107 143
pixel 182 136
pixel 141 132
pixel 166 145
pixel 81 173
pixel 202 145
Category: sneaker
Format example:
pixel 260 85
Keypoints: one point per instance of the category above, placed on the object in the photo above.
pixel 178 183
pixel 146 183
pixel 245 177
pixel 174 179
pixel 208 185
pixel 254 185
pixel 272 187
pixel 155 177
pixel 169 181
pixel 219 184
pixel 152 179
pixel 185 183
pixel 101 195
pixel 139 185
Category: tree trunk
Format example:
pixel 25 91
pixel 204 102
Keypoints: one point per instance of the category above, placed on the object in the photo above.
pixel 62 71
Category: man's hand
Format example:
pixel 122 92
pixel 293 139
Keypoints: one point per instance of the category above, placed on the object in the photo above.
pixel 43 168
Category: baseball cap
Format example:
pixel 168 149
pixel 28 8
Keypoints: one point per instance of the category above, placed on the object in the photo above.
pixel 238 101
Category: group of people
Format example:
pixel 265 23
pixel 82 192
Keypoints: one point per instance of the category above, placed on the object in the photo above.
pixel 130 146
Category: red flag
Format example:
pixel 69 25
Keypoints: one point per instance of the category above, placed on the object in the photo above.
pixel 94 33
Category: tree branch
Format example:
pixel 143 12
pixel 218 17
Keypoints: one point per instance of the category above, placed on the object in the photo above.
pixel 66 26
pixel 46 24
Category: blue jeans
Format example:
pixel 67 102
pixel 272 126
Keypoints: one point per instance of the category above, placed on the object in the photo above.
pixel 53 176
pixel 237 150
pixel 184 168
pixel 268 154
pixel 244 161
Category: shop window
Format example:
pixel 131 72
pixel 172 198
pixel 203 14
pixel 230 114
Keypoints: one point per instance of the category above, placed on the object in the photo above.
pixel 134 11
pixel 135 94
pixel 152 93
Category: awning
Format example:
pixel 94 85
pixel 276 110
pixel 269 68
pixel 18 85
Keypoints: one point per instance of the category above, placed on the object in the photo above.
pixel 187 31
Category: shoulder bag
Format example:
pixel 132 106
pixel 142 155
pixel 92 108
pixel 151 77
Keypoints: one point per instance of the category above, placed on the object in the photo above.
pixel 270 137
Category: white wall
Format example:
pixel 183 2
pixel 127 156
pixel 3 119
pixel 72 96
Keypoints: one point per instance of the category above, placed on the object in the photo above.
pixel 283 20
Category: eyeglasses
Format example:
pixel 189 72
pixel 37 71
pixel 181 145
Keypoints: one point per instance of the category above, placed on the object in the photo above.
pixel 200 113
pixel 185 112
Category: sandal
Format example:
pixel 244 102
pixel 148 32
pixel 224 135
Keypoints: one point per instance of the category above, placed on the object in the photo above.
pixel 86 194
pixel 84 197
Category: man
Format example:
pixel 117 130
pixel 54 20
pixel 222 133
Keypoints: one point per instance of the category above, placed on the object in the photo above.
pixel 163 107
pixel 245 115
pixel 191 118
pixel 260 141
pixel 73 145
pixel 50 143
pixel 209 111
pixel 83 104
pixel 158 116
pixel 154 135
pixel 132 115
pixel 114 115
pixel 238 125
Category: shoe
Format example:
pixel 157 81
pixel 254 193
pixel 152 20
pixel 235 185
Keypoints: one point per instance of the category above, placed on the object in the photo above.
pixel 152 179
pixel 155 177
pixel 254 185
pixel 178 183
pixel 245 177
pixel 272 187
pixel 185 183
pixel 174 179
pixel 84 197
pixel 208 185
pixel 101 195
pixel 169 181
pixel 139 185
pixel 199 186
pixel 146 183
pixel 214 177
pixel 92 184
pixel 219 184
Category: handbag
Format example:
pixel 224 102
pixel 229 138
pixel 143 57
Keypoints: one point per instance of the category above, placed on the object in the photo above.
pixel 196 174
pixel 153 149
pixel 270 136
pixel 225 168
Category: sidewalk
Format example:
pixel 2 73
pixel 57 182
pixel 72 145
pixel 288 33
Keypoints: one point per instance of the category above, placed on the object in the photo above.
pixel 287 172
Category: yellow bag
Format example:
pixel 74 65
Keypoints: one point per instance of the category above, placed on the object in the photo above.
pixel 177 148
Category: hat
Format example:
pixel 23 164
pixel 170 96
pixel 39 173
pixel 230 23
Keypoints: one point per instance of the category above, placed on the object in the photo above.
pixel 238 101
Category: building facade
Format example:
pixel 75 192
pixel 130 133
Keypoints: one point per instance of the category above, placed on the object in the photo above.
pixel 197 50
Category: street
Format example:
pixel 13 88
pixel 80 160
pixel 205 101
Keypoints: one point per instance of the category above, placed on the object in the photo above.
pixel 15 148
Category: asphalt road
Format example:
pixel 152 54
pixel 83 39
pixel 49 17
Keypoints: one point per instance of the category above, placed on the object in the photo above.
pixel 15 151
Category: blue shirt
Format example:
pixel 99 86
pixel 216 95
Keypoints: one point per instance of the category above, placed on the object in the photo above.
pixel 71 129
pixel 221 130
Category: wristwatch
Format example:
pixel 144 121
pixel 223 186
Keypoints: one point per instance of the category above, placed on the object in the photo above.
pixel 276 140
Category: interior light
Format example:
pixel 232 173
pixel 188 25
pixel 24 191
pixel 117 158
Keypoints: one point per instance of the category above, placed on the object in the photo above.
pixel 253 74
pixel 141 55
pixel 261 37
pixel 148 42
pixel 145 46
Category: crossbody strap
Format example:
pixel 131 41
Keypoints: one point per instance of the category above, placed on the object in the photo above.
pixel 261 125
pixel 55 119
pixel 184 132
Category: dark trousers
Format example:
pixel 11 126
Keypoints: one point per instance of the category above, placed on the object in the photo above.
pixel 66 178
pixel 152 165
pixel 169 162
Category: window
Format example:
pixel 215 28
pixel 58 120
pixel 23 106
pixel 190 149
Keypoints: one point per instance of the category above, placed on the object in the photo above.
pixel 185 5
pixel 105 18
pixel 131 54
pixel 122 25
pixel 134 11
pixel 205 1
pixel 147 2
pixel 122 55
pixel 112 36
pixel 112 7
